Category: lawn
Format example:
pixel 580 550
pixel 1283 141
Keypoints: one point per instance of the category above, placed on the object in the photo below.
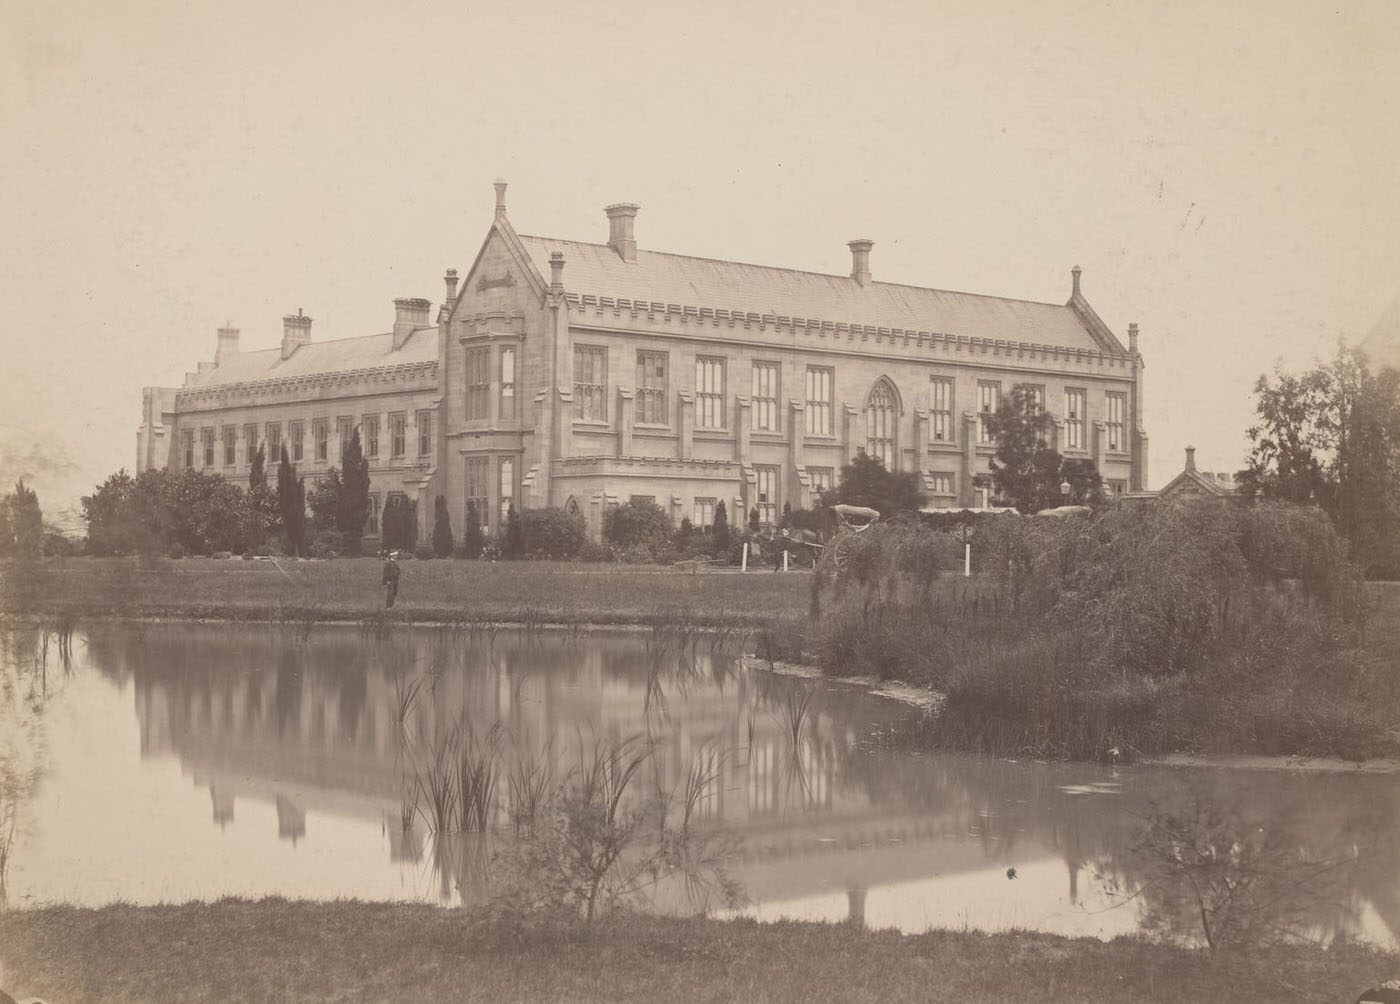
pixel 349 589
pixel 280 950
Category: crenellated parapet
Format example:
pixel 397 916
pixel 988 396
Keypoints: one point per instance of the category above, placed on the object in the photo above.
pixel 932 343
pixel 281 390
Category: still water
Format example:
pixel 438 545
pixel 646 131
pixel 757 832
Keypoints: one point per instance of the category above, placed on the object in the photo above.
pixel 163 763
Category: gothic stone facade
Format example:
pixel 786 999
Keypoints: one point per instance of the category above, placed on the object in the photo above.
pixel 581 375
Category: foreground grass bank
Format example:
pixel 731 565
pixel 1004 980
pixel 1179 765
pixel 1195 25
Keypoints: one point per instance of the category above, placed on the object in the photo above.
pixel 444 590
pixel 279 950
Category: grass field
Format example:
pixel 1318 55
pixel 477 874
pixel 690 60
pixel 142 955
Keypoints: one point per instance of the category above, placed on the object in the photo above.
pixel 279 950
pixel 349 589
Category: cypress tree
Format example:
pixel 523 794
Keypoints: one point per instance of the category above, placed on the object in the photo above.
pixel 352 508
pixel 442 529
pixel 720 529
pixel 472 541
pixel 291 501
pixel 515 535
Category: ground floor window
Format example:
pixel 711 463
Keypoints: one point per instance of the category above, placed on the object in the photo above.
pixel 767 495
pixel 477 491
pixel 941 483
pixel 372 520
pixel 507 487
pixel 704 517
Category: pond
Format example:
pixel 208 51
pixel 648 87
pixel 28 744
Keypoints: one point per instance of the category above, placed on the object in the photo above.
pixel 152 763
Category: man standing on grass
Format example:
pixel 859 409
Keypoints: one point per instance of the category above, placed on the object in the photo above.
pixel 390 580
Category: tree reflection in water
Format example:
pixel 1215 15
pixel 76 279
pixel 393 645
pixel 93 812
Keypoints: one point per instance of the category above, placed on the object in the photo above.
pixel 804 769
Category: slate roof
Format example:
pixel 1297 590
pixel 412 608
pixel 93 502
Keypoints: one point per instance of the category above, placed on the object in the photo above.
pixel 334 356
pixel 598 270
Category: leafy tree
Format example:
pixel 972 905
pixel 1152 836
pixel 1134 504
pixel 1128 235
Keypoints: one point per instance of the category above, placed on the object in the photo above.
pixel 23 522
pixel 719 529
pixel 324 500
pixel 352 508
pixel 1026 471
pixel 125 515
pixel 753 520
pixel 865 482
pixel 472 540
pixel 208 513
pixel 262 517
pixel 291 501
pixel 442 529
pixel 1332 437
pixel 515 535
pixel 257 476
pixel 786 518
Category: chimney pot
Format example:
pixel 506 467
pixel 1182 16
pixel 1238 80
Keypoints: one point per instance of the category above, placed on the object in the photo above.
pixel 860 259
pixel 1133 337
pixel 1190 458
pixel 409 315
pixel 556 270
pixel 1074 276
pixel 621 235
pixel 500 184
pixel 450 279
pixel 227 344
pixel 296 331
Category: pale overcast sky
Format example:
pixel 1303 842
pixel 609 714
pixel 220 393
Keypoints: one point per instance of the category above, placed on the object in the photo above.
pixel 1225 173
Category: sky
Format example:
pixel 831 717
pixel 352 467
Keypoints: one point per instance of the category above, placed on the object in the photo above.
pixel 1225 174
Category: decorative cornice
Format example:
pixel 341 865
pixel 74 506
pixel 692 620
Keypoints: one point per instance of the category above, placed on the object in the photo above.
pixel 812 327
pixel 660 466
pixel 283 388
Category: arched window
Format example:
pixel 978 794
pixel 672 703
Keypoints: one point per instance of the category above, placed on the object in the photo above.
pixel 881 416
pixel 571 507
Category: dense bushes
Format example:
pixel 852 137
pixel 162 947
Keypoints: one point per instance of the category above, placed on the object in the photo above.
pixel 1186 626
pixel 553 533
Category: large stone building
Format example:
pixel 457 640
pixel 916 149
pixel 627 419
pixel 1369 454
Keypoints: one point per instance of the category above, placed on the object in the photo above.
pixel 581 375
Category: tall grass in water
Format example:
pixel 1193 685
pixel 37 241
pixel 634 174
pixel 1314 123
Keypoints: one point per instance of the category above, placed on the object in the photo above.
pixel 478 768
pixel 437 781
pixel 405 698
pixel 531 785
pixel 600 820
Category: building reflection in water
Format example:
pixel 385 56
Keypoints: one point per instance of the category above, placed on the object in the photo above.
pixel 827 814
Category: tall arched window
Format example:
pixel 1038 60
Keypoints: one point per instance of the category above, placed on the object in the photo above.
pixel 881 415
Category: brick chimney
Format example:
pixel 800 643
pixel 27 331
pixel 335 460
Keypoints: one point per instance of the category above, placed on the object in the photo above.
pixel 621 237
pixel 500 198
pixel 296 332
pixel 860 259
pixel 556 270
pixel 1133 337
pixel 1074 275
pixel 1190 458
pixel 227 345
pixel 450 280
pixel 409 315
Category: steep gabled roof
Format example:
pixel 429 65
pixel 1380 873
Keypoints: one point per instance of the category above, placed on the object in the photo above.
pixel 337 356
pixel 598 270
